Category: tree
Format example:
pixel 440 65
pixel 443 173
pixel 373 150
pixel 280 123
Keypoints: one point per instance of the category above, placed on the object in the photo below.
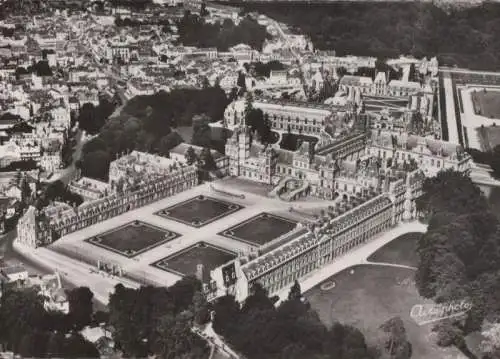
pixel 241 80
pixel 203 10
pixel 396 344
pixel 495 161
pixel 80 306
pixel 25 190
pixel 227 311
pixel 295 292
pixel 448 333
pixel 490 345
pixel 201 134
pixel 190 155
pixel 168 142
pixel 200 308
pixel 87 117
pixel 183 292
pixel 176 340
pixel 208 160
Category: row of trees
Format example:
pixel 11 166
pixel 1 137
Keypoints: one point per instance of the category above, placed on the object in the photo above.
pixel 292 330
pixel 459 255
pixel 463 37
pixel 146 123
pixel 27 328
pixel 193 30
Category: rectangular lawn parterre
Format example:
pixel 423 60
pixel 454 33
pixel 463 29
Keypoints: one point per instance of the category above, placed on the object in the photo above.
pixel 133 238
pixel 260 229
pixel 185 262
pixel 199 211
pixel 487 103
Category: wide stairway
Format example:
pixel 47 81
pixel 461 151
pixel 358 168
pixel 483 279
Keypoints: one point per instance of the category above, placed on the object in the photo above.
pixel 280 187
pixel 299 191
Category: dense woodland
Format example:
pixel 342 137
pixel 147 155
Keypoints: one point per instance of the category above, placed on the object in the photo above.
pixel 467 37
pixel 459 255
pixel 147 123
pixel 193 30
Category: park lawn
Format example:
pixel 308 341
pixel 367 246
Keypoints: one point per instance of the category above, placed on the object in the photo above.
pixel 369 297
pixel 402 250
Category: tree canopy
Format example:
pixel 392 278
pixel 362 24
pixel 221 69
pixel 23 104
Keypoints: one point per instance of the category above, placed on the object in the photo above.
pixel 30 330
pixel 157 320
pixel 145 124
pixel 292 330
pixel 91 118
pixel 464 37
pixel 195 31
pixel 459 255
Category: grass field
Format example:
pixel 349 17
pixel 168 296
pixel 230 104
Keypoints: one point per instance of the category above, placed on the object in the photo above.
pixel 370 296
pixel 486 103
pixel 402 250
pixel 186 261
pixel 199 211
pixel 133 238
pixel 260 229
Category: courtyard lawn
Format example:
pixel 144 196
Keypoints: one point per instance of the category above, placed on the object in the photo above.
pixel 199 211
pixel 186 261
pixel 260 229
pixel 238 185
pixel 370 296
pixel 133 238
pixel 402 250
pixel 487 103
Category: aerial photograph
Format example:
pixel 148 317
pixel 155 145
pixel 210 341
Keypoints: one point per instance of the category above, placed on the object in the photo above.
pixel 250 179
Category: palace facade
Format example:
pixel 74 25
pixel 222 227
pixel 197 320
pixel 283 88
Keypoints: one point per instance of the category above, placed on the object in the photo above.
pixel 298 117
pixel 40 228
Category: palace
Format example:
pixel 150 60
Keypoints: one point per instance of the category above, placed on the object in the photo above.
pixel 374 178
pixel 353 220
pixel 306 118
pixel 40 228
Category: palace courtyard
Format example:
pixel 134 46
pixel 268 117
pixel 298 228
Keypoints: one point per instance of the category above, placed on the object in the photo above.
pixel 165 240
